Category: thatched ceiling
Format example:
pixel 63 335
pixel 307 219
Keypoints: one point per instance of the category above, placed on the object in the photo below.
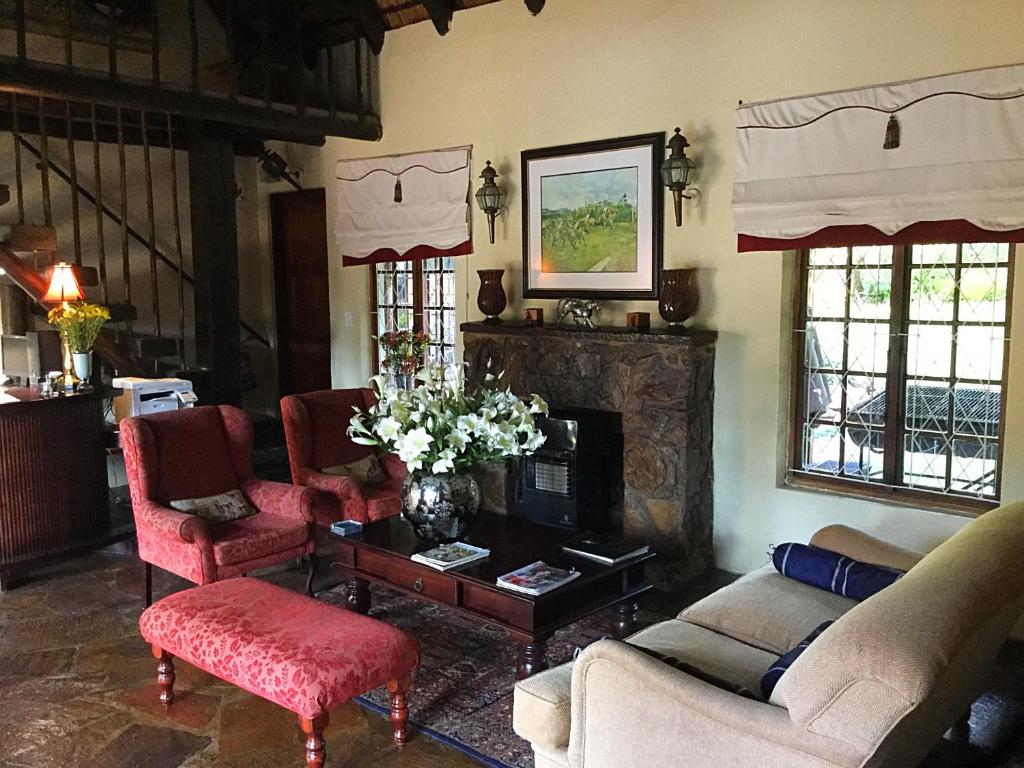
pixel 330 22
pixel 401 13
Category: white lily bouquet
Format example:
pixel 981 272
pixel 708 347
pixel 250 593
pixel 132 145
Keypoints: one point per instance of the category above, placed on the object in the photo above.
pixel 438 427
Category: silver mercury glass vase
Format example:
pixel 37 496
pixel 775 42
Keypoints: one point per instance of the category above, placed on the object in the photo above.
pixel 441 507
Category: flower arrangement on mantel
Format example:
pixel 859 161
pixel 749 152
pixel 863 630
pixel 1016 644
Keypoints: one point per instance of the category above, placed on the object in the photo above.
pixel 404 350
pixel 80 323
pixel 439 427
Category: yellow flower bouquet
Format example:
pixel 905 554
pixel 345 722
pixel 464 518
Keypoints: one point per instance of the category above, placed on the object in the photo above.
pixel 80 323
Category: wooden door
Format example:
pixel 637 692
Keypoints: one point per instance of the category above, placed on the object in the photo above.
pixel 299 229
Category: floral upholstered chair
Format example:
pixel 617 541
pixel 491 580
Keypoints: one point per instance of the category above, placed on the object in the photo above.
pixel 200 460
pixel 357 482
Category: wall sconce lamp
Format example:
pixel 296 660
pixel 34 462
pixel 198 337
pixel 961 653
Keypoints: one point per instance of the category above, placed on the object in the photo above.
pixel 489 197
pixel 676 171
pixel 276 167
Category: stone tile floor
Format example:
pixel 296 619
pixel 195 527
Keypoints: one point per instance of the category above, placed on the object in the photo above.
pixel 77 688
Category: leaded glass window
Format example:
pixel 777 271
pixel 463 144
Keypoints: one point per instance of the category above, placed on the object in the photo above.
pixel 900 367
pixel 416 295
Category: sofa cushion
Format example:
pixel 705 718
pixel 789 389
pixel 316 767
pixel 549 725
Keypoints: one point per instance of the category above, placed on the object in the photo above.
pixel 766 610
pixel 694 671
pixel 541 705
pixel 832 571
pixel 730 660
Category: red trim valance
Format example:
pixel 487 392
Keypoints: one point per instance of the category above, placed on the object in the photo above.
pixel 954 231
pixel 417 253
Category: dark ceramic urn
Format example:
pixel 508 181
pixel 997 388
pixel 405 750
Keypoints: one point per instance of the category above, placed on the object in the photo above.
pixel 491 300
pixel 678 296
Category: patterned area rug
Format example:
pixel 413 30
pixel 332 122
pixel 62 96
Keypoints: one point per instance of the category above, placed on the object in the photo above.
pixel 463 690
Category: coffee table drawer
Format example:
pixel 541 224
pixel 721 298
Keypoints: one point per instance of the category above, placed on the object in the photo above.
pixel 419 579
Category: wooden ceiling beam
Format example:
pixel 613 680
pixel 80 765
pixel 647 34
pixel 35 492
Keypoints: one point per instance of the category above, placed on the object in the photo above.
pixel 441 12
pixel 367 15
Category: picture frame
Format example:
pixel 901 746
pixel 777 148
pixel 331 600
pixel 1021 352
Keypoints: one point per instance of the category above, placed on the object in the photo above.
pixel 593 219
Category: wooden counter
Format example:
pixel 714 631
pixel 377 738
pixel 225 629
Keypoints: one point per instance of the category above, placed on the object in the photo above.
pixel 53 478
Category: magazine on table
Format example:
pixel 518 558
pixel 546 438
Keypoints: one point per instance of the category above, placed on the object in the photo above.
pixel 449 556
pixel 536 578
pixel 603 549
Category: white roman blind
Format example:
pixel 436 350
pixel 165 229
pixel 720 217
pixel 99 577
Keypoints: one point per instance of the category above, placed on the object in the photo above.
pixel 942 155
pixel 403 207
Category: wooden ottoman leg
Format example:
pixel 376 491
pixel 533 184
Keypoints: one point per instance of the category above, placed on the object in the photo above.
pixel 316 752
pixel 399 708
pixel 164 674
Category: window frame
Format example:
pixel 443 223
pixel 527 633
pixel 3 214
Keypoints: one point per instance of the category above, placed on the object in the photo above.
pixel 419 307
pixel 886 490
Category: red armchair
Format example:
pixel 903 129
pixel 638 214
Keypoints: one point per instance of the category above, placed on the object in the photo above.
pixel 198 452
pixel 315 427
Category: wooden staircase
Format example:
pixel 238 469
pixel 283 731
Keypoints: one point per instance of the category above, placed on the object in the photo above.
pixel 164 320
pixel 24 240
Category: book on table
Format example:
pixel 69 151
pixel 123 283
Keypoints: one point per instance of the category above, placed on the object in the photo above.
pixel 603 549
pixel 346 527
pixel 449 556
pixel 536 578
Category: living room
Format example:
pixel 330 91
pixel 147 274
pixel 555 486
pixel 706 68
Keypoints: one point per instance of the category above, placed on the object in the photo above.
pixel 737 432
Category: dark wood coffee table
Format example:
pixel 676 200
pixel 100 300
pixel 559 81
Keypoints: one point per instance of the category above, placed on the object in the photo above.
pixel 380 554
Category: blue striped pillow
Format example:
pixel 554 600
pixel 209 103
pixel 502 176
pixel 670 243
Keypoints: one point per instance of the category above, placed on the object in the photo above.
pixel 829 570
pixel 776 671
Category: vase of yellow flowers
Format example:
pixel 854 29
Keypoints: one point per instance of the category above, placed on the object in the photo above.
pixel 83 364
pixel 79 325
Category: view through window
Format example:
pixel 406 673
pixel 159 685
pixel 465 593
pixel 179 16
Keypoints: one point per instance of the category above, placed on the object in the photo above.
pixel 901 380
pixel 416 295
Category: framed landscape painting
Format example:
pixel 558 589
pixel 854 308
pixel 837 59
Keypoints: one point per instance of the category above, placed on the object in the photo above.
pixel 592 219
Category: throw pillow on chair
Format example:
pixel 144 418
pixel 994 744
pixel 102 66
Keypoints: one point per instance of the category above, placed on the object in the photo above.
pixel 367 470
pixel 221 508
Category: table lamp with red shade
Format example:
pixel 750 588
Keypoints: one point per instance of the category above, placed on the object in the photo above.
pixel 63 286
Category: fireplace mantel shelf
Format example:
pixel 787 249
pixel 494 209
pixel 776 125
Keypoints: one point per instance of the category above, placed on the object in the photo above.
pixel 603 333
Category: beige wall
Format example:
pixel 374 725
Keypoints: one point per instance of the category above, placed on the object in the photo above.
pixel 504 81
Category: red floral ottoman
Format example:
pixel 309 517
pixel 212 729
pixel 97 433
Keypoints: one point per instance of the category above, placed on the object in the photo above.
pixel 304 655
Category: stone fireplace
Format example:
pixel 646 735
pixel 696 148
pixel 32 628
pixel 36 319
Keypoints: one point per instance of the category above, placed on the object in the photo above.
pixel 661 383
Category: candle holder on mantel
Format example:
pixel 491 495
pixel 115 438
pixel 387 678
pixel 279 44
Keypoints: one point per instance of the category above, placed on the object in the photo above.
pixel 534 316
pixel 491 299
pixel 679 297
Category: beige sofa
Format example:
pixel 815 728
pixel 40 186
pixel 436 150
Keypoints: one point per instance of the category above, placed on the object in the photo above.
pixel 878 688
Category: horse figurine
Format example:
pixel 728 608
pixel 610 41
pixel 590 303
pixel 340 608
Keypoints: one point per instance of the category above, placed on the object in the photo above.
pixel 582 311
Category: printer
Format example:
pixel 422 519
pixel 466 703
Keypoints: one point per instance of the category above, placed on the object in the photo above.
pixel 141 397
